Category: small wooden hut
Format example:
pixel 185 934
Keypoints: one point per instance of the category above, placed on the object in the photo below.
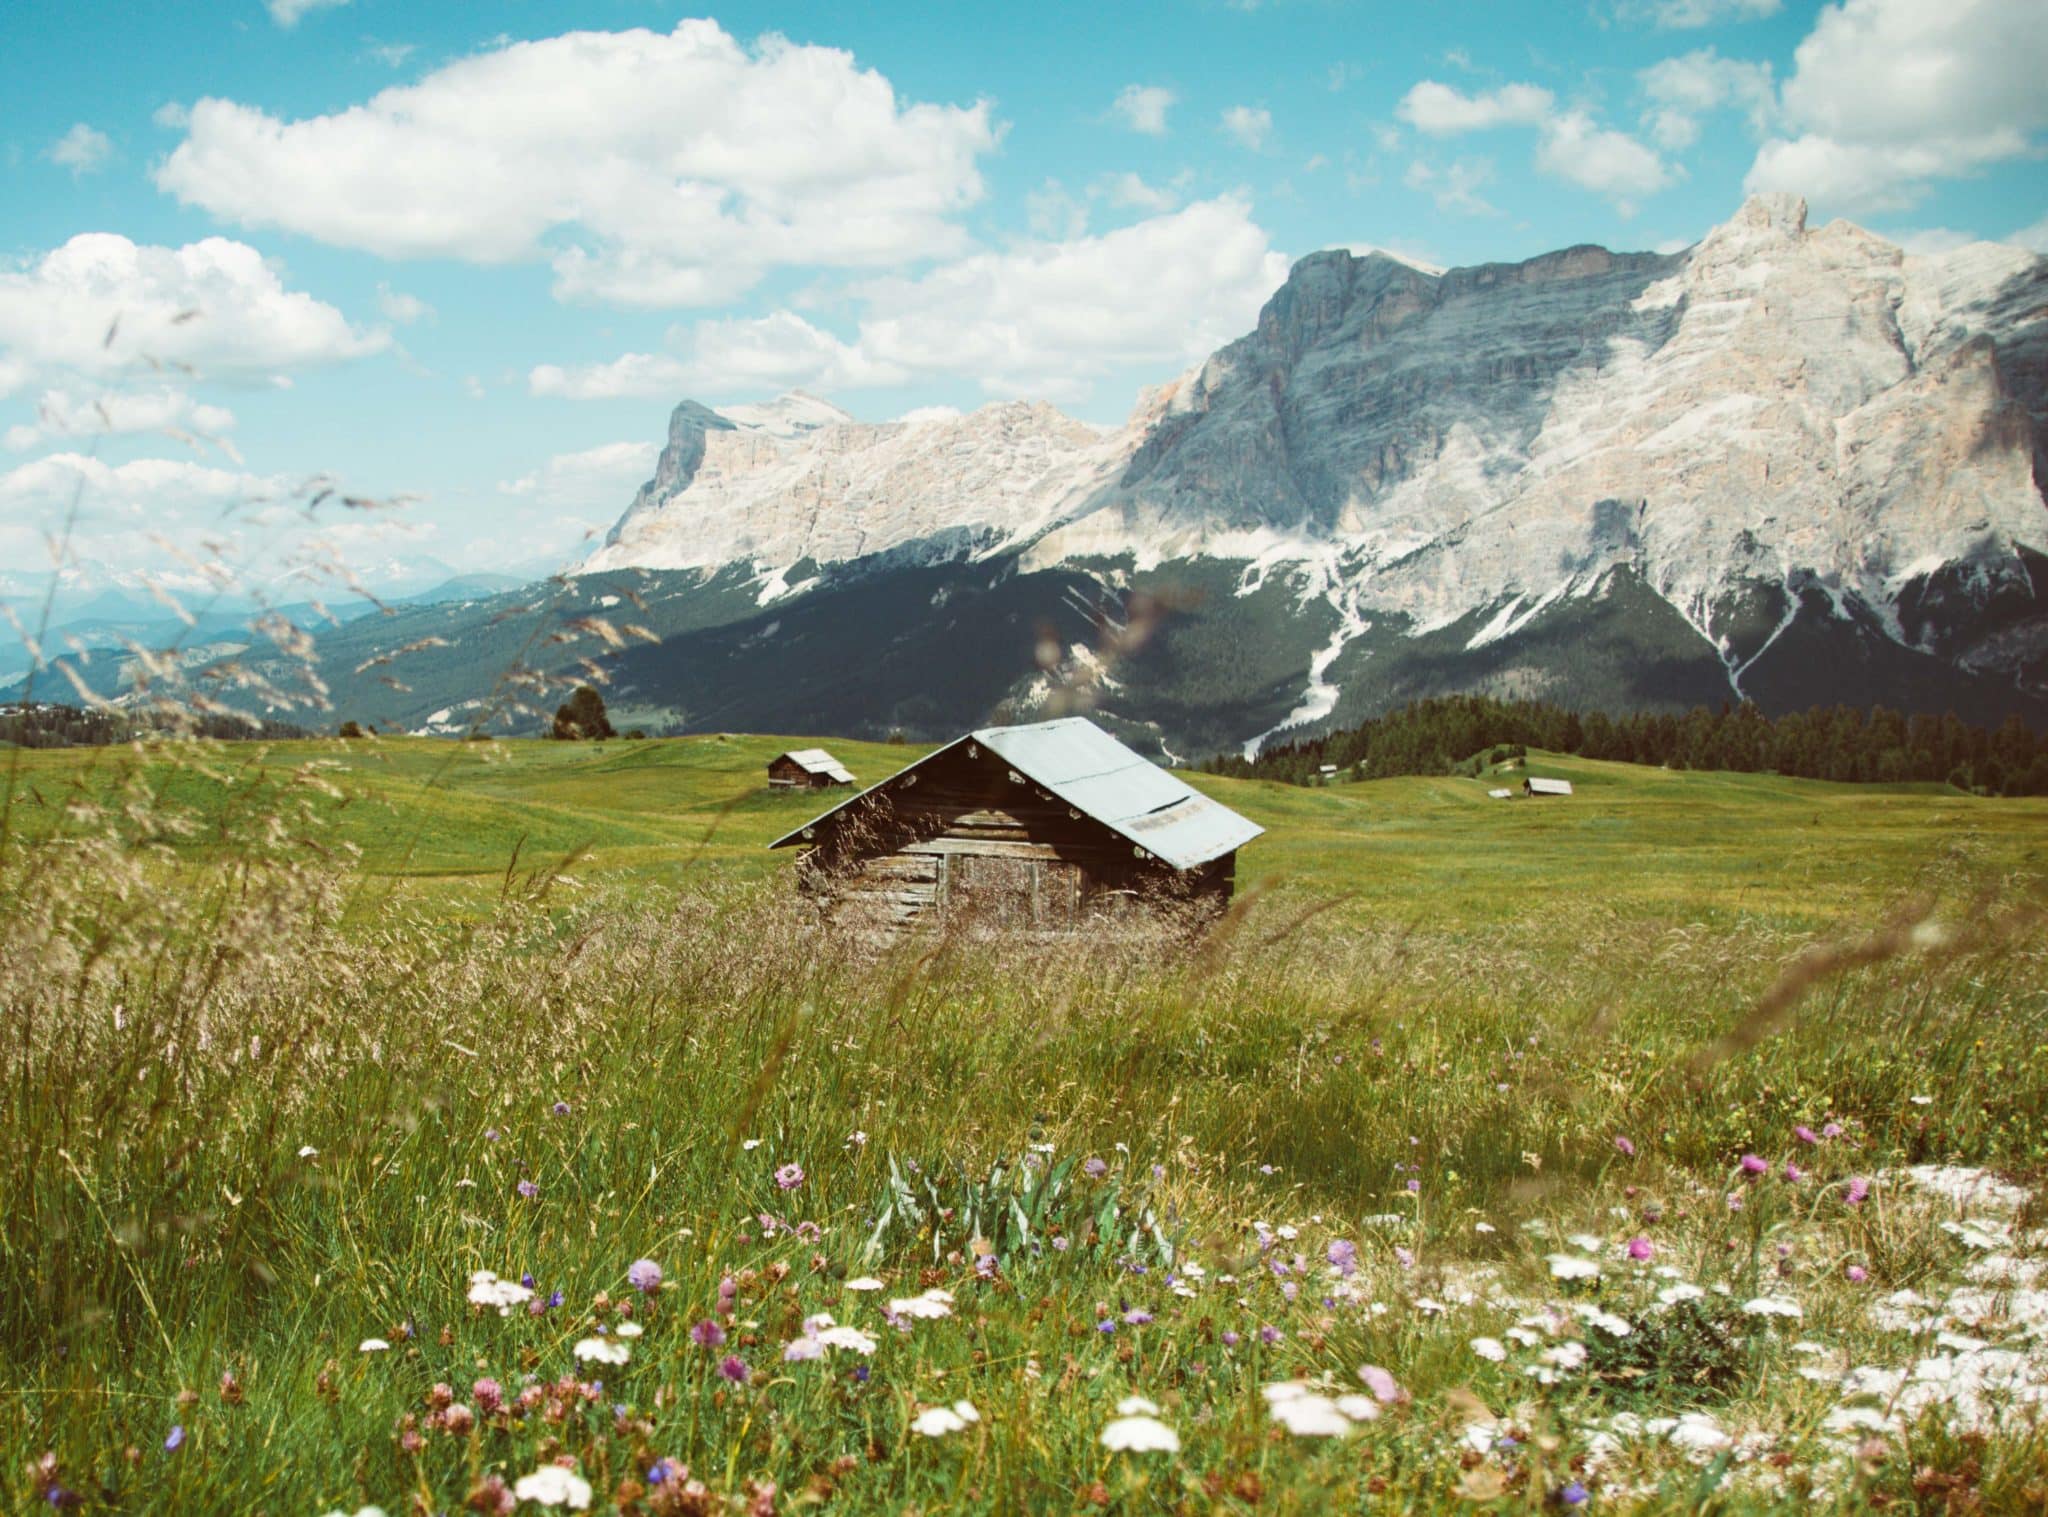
pixel 1532 786
pixel 806 769
pixel 1046 827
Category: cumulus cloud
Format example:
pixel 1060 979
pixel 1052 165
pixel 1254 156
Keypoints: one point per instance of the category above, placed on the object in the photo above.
pixel 650 169
pixel 1052 210
pixel 595 479
pixel 1043 319
pixel 1682 89
pixel 1571 145
pixel 83 150
pixel 1144 107
pixel 1131 192
pixel 2033 237
pixel 1455 188
pixel 61 413
pixel 1441 110
pixel 289 13
pixel 1574 148
pixel 397 306
pixel 101 306
pixel 1887 96
pixel 1686 15
pixel 1250 125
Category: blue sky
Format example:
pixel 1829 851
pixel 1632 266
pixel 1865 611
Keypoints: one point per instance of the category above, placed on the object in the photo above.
pixel 472 255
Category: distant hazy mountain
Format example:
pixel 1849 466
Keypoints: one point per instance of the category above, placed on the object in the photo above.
pixel 1785 464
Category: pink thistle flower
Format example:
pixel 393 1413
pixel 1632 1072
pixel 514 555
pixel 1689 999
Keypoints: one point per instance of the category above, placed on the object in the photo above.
pixel 1628 1149
pixel 1752 1165
pixel 707 1334
pixel 1858 1191
pixel 1857 1274
pixel 1640 1248
pixel 1805 1134
pixel 734 1368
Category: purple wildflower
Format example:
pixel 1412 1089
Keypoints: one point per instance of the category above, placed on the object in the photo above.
pixel 1793 1172
pixel 1805 1134
pixel 1404 1256
pixel 1414 1185
pixel 1857 1274
pixel 1095 1169
pixel 1752 1165
pixel 1574 1494
pixel 1640 1248
pixel 734 1368
pixel 1628 1149
pixel 1269 1334
pixel 1137 1316
pixel 1106 1325
pixel 1230 1339
pixel 176 1439
pixel 1832 1130
pixel 561 1108
pixel 1343 1257
pixel 490 1134
pixel 707 1334
pixel 659 1471
pixel 644 1275
pixel 489 1396
pixel 789 1176
pixel 528 1189
pixel 1858 1191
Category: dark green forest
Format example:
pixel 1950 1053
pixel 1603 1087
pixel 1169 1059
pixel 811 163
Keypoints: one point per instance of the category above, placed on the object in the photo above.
pixel 1841 743
pixel 44 724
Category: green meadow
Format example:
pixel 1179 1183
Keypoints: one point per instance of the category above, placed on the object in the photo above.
pixel 436 1127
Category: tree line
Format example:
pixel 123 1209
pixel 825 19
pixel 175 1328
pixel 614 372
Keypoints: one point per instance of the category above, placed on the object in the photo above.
pixel 48 724
pixel 1842 743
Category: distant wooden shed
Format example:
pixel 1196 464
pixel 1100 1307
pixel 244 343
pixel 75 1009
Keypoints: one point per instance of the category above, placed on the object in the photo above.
pixel 1533 786
pixel 1048 827
pixel 806 769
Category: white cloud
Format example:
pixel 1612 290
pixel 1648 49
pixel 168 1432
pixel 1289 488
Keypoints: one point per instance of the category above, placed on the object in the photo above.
pixel 1571 145
pixel 1579 151
pixel 2034 237
pixel 100 306
pixel 289 13
pixel 596 479
pixel 83 150
pixel 1052 210
pixel 1455 188
pixel 1689 14
pixel 1144 108
pixel 650 169
pixel 60 413
pixel 1250 125
pixel 1887 96
pixel 1934 239
pixel 1044 319
pixel 1440 109
pixel 1682 89
pixel 392 54
pixel 1129 191
pixel 399 307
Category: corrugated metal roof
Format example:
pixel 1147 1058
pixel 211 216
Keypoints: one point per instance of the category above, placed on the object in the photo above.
pixel 1550 787
pixel 816 761
pixel 1094 773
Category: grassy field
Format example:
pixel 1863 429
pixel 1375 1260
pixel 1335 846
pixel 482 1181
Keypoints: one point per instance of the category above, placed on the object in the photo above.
pixel 1674 1147
pixel 447 820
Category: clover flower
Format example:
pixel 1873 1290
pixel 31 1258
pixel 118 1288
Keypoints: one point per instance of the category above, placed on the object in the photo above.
pixel 789 1176
pixel 733 1368
pixel 707 1334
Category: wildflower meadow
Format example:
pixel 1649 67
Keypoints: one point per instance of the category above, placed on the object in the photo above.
pixel 349 1172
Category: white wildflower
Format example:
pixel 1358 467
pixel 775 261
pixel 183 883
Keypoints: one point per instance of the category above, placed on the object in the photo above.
pixel 602 1350
pixel 1136 1406
pixel 372 1346
pixel 847 1337
pixel 1571 1267
pixel 864 1283
pixel 1140 1434
pixel 928 1306
pixel 938 1421
pixel 486 1289
pixel 1308 1416
pixel 551 1485
pixel 1490 1348
pixel 1671 1295
pixel 629 1329
pixel 1772 1306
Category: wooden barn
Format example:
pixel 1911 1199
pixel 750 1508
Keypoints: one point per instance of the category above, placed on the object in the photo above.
pixel 1533 786
pixel 1046 827
pixel 806 769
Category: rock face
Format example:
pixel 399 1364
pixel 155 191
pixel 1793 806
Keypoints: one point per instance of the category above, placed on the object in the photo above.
pixel 1794 451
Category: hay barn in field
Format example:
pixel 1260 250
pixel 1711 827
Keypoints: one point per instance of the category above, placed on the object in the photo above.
pixel 1049 827
pixel 806 769
pixel 1534 787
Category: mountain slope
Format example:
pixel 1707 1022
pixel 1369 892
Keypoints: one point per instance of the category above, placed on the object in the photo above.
pixel 1787 464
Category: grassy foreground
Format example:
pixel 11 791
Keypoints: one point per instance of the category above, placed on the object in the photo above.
pixel 1553 1166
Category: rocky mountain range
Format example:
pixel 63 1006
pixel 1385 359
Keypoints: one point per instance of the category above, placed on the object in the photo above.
pixel 1788 464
